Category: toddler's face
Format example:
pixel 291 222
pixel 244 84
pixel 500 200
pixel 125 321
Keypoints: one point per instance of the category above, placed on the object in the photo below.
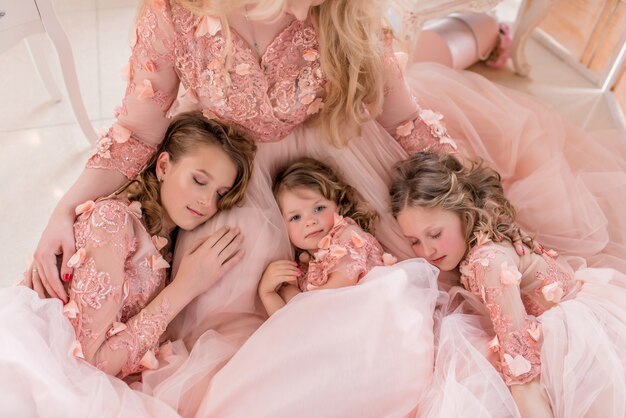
pixel 308 215
pixel 435 235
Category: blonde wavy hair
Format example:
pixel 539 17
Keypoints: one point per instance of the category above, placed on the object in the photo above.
pixel 352 56
pixel 309 173
pixel 430 180
pixel 185 133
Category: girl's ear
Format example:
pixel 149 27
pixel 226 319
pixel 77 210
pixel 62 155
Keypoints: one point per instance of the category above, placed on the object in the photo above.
pixel 163 165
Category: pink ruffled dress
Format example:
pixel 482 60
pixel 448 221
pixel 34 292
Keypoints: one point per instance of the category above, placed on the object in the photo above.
pixel 118 270
pixel 346 249
pixel 544 321
pixel 575 181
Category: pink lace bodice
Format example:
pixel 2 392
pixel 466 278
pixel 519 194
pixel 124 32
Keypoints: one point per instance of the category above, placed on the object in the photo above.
pixel 267 100
pixel 118 270
pixel 516 291
pixel 346 249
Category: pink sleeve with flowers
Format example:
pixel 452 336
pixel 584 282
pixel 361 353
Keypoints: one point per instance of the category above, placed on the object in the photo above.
pixel 151 89
pixel 107 335
pixel 491 273
pixel 415 128
pixel 347 250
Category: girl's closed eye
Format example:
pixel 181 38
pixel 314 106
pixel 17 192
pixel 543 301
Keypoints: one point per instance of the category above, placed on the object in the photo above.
pixel 437 235
pixel 414 242
pixel 195 179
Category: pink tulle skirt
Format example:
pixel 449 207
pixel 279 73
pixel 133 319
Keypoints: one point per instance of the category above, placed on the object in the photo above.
pixel 568 186
pixel 40 376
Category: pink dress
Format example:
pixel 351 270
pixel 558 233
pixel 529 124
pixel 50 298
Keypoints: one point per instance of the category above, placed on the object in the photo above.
pixel 567 328
pixel 533 148
pixel 118 271
pixel 346 249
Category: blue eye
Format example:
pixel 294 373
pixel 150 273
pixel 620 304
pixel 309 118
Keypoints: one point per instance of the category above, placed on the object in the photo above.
pixel 319 208
pixel 294 218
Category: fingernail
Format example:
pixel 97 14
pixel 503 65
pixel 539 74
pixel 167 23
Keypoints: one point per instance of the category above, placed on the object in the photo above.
pixel 67 277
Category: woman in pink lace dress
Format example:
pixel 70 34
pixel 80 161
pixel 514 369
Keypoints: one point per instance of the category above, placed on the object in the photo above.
pixel 268 67
pixel 557 328
pixel 120 300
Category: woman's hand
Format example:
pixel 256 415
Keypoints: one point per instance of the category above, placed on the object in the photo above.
pixel 56 244
pixel 277 273
pixel 209 259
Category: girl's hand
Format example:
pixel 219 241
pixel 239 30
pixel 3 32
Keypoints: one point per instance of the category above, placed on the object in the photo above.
pixel 209 259
pixel 56 243
pixel 277 273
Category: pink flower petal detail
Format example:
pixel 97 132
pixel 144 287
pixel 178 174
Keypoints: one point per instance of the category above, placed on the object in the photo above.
pixel 135 208
pixel 552 292
pixel 77 259
pixel 389 260
pixel 357 240
pixel 315 106
pixel 337 219
pixel 70 310
pixel 77 350
pixel 85 208
pixel 120 134
pixel 149 360
pixel 242 69
pixel 534 330
pixel 324 242
pixel 145 91
pixel 151 66
pixel 208 25
pixel 320 254
pixel 405 129
pixel 157 262
pixel 482 238
pixel 338 251
pixel 518 365
pixel 310 55
pixel 494 344
pixel 509 275
pixel 159 242
pixel 215 64
pixel 308 98
pixel 116 328
pixel 430 117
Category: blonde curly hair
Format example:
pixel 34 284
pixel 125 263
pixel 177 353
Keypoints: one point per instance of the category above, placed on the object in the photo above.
pixel 430 180
pixel 186 132
pixel 309 173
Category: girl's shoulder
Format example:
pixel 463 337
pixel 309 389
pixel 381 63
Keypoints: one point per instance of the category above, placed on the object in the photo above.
pixel 486 252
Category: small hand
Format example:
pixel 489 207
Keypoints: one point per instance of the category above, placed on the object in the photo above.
pixel 277 273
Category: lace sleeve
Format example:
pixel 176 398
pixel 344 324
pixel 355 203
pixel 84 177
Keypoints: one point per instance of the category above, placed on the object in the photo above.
pixel 416 129
pixel 349 254
pixel 493 276
pixel 106 240
pixel 151 89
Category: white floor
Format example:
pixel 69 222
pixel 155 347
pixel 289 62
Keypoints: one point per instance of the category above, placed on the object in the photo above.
pixel 42 149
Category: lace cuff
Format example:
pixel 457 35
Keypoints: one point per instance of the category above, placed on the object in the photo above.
pixel 425 133
pixel 118 150
pixel 520 354
pixel 141 339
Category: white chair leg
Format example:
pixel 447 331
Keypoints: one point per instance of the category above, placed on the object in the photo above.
pixel 531 13
pixel 35 46
pixel 61 43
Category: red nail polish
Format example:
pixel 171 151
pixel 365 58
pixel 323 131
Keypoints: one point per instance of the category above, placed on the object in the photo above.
pixel 67 277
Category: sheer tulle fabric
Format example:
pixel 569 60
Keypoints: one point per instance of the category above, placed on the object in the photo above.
pixel 42 378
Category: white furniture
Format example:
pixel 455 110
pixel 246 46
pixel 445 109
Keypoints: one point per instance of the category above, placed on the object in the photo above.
pixel 21 19
pixel 417 12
